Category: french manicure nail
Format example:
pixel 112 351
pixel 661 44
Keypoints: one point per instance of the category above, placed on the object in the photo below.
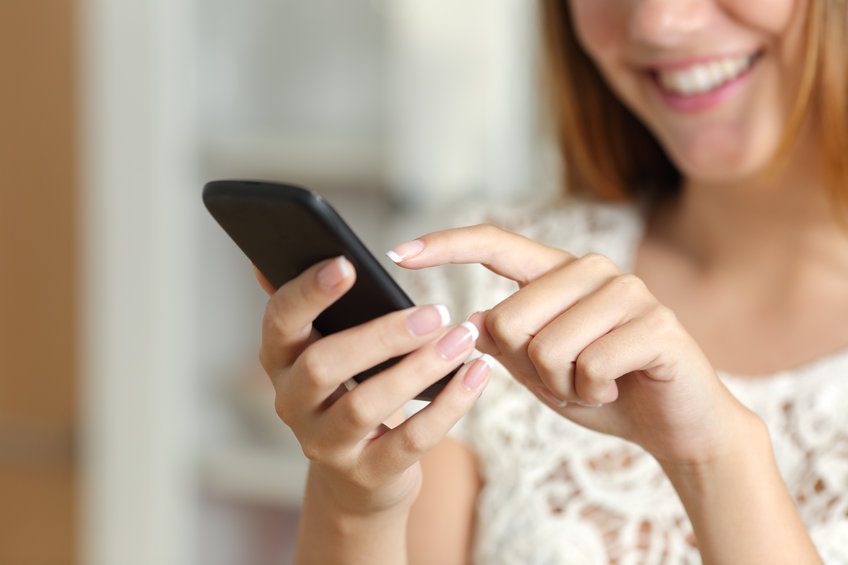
pixel 547 395
pixel 334 273
pixel 457 340
pixel 428 319
pixel 476 316
pixel 589 405
pixel 477 373
pixel 406 250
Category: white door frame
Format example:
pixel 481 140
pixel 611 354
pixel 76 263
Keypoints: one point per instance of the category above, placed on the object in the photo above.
pixel 137 177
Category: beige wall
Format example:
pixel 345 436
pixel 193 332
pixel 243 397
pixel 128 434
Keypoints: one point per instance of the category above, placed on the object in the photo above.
pixel 37 282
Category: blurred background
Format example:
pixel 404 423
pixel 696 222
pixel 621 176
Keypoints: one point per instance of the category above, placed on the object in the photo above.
pixel 135 424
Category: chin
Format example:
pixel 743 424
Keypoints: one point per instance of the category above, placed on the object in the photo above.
pixel 721 169
pixel 722 157
pixel 719 174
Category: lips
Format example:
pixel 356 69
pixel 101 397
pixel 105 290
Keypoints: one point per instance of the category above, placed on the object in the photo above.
pixel 702 83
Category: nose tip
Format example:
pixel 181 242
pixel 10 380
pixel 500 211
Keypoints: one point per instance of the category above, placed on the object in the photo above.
pixel 666 23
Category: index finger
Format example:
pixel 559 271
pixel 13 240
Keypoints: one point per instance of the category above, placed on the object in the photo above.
pixel 503 252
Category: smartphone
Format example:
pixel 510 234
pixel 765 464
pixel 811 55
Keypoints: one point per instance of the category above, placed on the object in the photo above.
pixel 283 229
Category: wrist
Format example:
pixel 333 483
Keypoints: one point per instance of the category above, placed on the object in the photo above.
pixel 738 504
pixel 348 503
pixel 334 529
pixel 745 447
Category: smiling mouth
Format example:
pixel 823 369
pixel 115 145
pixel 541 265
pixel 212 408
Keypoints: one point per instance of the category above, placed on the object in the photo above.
pixel 705 76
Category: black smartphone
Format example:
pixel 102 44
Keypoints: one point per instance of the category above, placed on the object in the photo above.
pixel 284 229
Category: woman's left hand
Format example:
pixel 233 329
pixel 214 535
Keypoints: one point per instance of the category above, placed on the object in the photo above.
pixel 594 344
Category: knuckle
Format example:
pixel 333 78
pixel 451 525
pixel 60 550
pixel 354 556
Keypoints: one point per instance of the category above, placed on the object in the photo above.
pixel 415 440
pixel 455 406
pixel 590 367
pixel 489 230
pixel 551 372
pixel 359 410
pixel 558 385
pixel 282 410
pixel 265 359
pixel 500 324
pixel 272 363
pixel 630 282
pixel 385 336
pixel 311 363
pixel 663 319
pixel 630 286
pixel 310 450
pixel 540 354
pixel 598 263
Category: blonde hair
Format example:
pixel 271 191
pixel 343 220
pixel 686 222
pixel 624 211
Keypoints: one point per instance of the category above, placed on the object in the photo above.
pixel 610 154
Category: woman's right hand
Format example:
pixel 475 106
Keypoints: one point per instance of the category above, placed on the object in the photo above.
pixel 365 466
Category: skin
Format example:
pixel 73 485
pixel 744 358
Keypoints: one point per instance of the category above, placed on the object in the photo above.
pixel 364 475
pixel 764 252
pixel 728 143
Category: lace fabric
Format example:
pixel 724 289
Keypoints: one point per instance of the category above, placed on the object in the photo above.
pixel 557 493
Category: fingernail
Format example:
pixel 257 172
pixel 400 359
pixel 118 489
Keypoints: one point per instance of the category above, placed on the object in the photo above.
pixel 547 395
pixel 332 274
pixel 428 319
pixel 406 250
pixel 476 317
pixel 588 405
pixel 477 373
pixel 457 340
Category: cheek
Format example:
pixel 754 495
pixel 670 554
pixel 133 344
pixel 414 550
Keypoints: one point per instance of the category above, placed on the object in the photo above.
pixel 782 21
pixel 600 27
pixel 772 17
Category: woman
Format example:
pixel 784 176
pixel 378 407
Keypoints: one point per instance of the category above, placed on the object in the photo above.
pixel 670 382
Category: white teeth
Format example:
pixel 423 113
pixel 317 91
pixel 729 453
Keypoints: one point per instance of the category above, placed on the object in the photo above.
pixel 703 77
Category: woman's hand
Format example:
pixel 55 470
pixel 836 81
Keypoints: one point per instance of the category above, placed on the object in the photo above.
pixel 594 344
pixel 364 466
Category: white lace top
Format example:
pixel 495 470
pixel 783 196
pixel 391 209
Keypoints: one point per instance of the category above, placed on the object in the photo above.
pixel 557 493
